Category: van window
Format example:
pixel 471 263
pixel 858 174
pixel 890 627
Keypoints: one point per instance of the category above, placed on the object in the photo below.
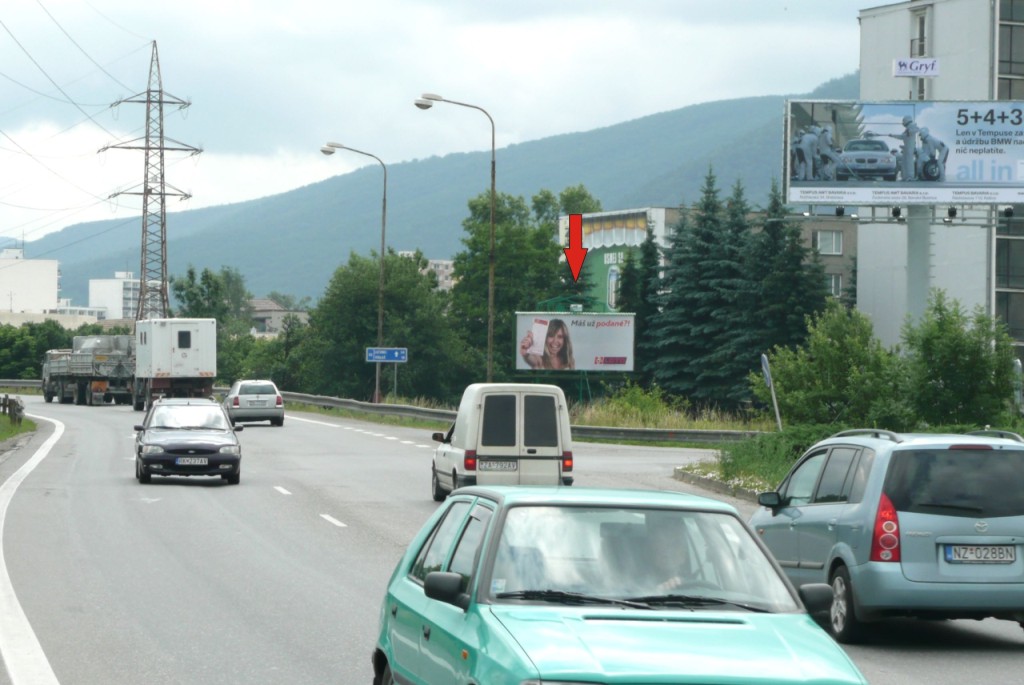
pixel 499 425
pixel 540 424
pixel 972 483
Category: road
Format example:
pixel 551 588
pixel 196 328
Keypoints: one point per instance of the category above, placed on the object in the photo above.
pixel 279 579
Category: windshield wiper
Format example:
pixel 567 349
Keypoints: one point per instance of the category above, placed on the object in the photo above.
pixel 570 598
pixel 695 600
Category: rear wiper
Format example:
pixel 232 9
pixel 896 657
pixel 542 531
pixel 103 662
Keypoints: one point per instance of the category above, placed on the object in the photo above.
pixel 695 600
pixel 570 598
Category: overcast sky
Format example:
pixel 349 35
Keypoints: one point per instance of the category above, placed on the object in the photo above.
pixel 270 81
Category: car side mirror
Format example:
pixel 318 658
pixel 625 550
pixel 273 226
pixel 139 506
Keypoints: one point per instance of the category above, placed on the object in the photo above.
pixel 817 598
pixel 438 437
pixel 237 428
pixel 445 586
pixel 772 500
pixel 139 427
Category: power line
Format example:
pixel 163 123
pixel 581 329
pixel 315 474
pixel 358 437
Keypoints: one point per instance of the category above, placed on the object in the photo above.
pixel 80 48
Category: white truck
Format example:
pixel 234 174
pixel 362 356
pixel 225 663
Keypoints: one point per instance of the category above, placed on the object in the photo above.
pixel 174 358
pixel 98 369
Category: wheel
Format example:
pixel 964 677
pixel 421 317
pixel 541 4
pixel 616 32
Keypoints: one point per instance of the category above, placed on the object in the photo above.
pixel 277 422
pixel 435 486
pixel 235 477
pixel 386 678
pixel 930 170
pixel 141 474
pixel 48 397
pixel 843 623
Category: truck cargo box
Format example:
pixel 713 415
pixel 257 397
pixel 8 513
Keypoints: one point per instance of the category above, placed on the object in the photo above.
pixel 176 348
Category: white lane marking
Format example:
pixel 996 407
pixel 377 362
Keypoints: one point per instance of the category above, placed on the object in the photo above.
pixel 331 519
pixel 281 490
pixel 22 654
pixel 408 442
pixel 319 423
pixel 149 500
pixel 390 437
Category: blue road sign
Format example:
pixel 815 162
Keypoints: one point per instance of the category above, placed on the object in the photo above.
pixel 387 354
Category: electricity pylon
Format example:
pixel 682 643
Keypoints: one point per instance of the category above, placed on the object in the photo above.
pixel 153 300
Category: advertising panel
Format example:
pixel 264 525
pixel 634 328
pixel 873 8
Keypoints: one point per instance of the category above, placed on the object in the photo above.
pixel 574 341
pixel 904 152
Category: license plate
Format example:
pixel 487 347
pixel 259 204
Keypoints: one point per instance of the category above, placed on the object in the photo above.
pixel 981 554
pixel 257 403
pixel 191 461
pixel 497 465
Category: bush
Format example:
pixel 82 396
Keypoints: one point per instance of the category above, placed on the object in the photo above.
pixel 768 457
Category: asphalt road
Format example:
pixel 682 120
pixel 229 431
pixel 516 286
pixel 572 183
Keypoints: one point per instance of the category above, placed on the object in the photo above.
pixel 279 579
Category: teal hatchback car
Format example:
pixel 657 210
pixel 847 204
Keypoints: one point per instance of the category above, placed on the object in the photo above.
pixel 577 586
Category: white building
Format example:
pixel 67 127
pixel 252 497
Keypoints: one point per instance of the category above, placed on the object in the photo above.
pixel 27 285
pixel 978 256
pixel 119 295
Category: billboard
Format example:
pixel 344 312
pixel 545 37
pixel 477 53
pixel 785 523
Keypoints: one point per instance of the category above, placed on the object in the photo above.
pixel 580 341
pixel 904 152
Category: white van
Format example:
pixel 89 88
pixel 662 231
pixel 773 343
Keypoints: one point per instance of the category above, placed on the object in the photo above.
pixel 505 434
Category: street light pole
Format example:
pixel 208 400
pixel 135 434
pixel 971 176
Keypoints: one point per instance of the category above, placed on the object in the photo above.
pixel 329 149
pixel 426 102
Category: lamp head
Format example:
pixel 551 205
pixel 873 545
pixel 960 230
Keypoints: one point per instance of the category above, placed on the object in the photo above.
pixel 327 150
pixel 423 103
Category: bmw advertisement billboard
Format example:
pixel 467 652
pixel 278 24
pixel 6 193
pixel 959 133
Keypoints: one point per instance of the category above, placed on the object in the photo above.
pixel 904 152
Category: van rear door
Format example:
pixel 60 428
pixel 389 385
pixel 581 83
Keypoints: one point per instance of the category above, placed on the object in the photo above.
pixel 519 439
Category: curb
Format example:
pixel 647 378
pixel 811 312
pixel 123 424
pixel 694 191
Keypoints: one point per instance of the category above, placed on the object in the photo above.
pixel 714 485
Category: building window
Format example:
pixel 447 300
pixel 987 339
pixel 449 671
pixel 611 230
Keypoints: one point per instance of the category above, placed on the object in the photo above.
pixel 829 242
pixel 1010 263
pixel 1011 10
pixel 1011 50
pixel 834 283
pixel 1010 308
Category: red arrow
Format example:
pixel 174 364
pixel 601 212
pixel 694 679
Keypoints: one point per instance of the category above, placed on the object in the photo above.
pixel 575 253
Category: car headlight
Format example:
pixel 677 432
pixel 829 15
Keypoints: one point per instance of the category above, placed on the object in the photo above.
pixel 230 449
pixel 152 449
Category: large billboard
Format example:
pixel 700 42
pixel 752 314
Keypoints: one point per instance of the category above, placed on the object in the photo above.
pixel 580 341
pixel 904 152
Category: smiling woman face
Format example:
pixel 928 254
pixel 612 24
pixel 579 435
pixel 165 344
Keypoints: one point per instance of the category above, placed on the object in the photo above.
pixel 555 342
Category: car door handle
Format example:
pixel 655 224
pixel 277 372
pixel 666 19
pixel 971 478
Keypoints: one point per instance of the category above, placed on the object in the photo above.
pixel 426 632
pixel 832 524
pixel 394 610
pixel 531 451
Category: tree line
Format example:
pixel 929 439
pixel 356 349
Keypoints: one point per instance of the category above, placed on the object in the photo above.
pixel 729 285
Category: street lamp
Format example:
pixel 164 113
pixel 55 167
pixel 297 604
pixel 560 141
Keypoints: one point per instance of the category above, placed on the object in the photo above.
pixel 329 149
pixel 426 102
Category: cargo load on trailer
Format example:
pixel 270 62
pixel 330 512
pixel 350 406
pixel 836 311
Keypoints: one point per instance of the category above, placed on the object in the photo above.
pixel 98 369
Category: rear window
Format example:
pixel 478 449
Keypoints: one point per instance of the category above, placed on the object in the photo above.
pixel 973 483
pixel 540 427
pixel 499 425
pixel 257 389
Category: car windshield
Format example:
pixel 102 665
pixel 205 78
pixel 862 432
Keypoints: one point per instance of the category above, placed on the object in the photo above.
pixel 662 557
pixel 977 483
pixel 867 146
pixel 189 417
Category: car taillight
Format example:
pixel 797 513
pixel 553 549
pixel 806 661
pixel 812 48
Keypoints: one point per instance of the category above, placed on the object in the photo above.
pixel 279 401
pixel 234 402
pixel 566 461
pixel 885 540
pixel 469 461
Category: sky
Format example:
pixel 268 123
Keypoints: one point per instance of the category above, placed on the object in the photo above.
pixel 267 83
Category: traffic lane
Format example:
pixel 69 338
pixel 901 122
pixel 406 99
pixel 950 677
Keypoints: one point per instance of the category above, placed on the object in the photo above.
pixel 917 652
pixel 140 573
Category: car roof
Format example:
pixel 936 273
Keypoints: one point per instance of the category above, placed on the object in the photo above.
pixel 524 494
pixel 884 440
pixel 183 401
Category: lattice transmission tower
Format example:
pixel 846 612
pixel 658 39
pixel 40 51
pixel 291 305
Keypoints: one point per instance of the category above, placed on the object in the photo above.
pixel 153 298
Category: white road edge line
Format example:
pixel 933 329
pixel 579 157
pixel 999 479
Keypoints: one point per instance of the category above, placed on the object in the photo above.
pixel 281 490
pixel 319 423
pixel 331 519
pixel 22 654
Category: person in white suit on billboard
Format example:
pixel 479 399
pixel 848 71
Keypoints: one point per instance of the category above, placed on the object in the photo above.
pixel 932 149
pixel 908 156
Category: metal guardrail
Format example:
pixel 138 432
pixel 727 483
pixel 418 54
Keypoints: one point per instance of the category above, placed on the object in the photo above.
pixel 447 416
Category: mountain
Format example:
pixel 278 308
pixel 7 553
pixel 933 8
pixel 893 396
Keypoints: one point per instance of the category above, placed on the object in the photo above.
pixel 293 242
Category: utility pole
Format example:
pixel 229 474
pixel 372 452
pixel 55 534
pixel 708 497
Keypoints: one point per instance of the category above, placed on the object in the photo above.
pixel 153 299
